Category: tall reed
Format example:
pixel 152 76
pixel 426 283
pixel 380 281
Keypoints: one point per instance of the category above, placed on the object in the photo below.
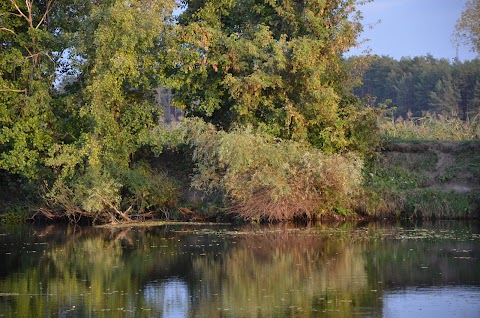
pixel 430 127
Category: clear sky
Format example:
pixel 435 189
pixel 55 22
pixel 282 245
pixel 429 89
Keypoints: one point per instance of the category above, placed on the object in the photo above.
pixel 411 28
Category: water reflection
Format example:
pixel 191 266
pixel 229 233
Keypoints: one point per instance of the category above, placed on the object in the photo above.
pixel 252 271
pixel 284 274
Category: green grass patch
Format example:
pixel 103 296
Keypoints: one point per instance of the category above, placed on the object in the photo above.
pixel 415 162
pixel 435 204
pixel 392 176
pixel 404 182
pixel 468 160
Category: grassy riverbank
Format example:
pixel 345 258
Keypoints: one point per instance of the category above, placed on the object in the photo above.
pixel 406 180
pixel 424 180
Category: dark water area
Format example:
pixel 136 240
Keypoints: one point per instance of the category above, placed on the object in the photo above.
pixel 372 270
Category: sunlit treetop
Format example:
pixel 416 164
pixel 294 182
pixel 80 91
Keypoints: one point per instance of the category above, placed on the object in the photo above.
pixel 277 65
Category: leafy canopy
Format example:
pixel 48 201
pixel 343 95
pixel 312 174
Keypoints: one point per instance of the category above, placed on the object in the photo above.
pixel 76 99
pixel 277 65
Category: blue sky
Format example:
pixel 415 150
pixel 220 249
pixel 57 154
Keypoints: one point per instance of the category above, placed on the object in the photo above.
pixel 412 28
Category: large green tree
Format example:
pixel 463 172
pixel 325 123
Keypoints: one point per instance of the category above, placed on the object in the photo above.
pixel 77 99
pixel 277 65
pixel 27 64
pixel 117 50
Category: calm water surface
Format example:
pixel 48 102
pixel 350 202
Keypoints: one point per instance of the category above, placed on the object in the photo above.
pixel 374 270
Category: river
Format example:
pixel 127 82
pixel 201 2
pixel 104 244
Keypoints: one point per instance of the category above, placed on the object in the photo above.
pixel 284 270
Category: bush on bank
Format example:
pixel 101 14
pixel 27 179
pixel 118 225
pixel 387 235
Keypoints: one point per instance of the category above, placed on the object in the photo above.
pixel 265 178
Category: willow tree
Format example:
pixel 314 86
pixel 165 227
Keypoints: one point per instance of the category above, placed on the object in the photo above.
pixel 116 53
pixel 81 140
pixel 277 65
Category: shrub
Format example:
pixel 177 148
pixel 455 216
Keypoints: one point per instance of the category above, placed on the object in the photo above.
pixel 94 195
pixel 110 196
pixel 94 183
pixel 265 178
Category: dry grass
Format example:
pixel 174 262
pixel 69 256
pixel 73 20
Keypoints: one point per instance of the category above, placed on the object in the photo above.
pixel 430 127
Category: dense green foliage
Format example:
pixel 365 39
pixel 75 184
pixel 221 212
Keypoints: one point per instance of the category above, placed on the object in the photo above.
pixel 273 179
pixel 118 50
pixel 77 141
pixel 27 111
pixel 277 66
pixel 80 123
pixel 420 84
pixel 281 134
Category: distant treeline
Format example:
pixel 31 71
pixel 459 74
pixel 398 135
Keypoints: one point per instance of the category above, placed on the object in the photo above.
pixel 424 83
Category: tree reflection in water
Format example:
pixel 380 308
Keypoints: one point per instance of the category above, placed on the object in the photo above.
pixel 201 271
pixel 275 274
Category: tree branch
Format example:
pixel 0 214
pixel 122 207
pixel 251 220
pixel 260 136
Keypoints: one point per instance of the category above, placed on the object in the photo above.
pixel 29 9
pixel 29 52
pixel 47 11
pixel 13 90
pixel 10 13
pixel 19 10
pixel 8 30
pixel 32 55
pixel 122 214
